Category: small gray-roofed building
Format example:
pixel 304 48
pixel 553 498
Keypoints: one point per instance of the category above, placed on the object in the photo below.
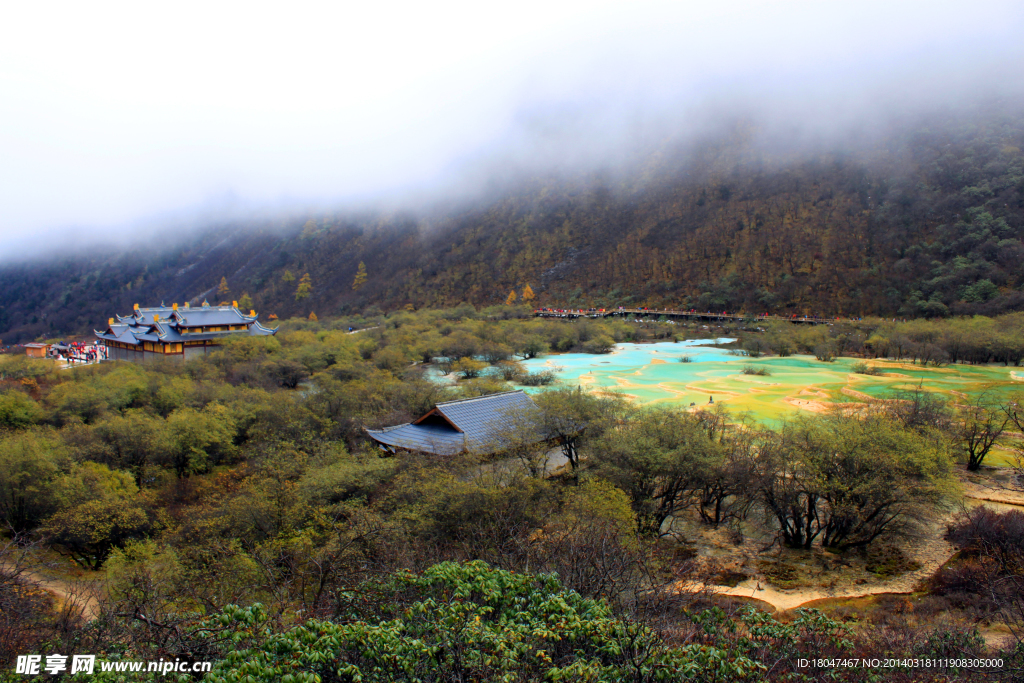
pixel 466 425
pixel 176 332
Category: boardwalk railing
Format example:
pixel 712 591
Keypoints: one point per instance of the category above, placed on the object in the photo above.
pixel 672 313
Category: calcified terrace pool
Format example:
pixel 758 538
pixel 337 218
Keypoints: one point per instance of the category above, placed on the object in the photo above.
pixel 652 374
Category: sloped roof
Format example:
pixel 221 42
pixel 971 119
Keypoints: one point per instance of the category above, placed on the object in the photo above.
pixel 190 316
pixel 120 333
pixel 258 330
pixel 481 418
pixel 163 323
pixel 435 439
pixel 472 424
pixel 213 315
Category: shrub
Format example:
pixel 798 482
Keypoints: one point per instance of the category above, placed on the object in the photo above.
pixel 888 560
pixel 755 347
pixel 685 359
pixel 966 576
pixel 511 371
pixel 468 367
pixel 18 410
pixel 537 379
pixel 751 370
pixel 780 573
pixel 985 533
pixel 824 353
pixel 469 622
pixel 955 642
pixel 599 344
pixel 862 368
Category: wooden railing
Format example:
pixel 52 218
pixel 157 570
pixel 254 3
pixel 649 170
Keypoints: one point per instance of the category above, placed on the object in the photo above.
pixel 673 313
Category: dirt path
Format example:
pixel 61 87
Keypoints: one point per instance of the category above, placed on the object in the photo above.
pixel 931 555
pixel 1001 501
pixel 66 592
pixel 989 489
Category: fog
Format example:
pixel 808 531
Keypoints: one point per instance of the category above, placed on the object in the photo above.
pixel 117 121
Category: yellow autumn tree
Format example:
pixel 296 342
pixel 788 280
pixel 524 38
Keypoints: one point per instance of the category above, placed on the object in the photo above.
pixel 222 289
pixel 245 303
pixel 312 316
pixel 527 294
pixel 511 298
pixel 304 288
pixel 360 276
pixel 287 277
pixel 309 229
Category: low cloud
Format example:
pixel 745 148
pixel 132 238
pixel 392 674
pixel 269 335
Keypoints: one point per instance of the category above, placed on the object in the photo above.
pixel 121 121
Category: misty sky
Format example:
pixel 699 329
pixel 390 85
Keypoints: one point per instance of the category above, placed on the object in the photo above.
pixel 120 115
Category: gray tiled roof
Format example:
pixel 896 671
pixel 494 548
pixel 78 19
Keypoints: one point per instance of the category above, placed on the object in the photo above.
pixel 219 315
pixel 427 438
pixel 483 417
pixel 164 324
pixel 190 316
pixel 258 330
pixel 481 420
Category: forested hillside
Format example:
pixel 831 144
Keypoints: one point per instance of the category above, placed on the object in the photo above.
pixel 231 509
pixel 925 220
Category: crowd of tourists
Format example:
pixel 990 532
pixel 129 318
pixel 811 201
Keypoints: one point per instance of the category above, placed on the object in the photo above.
pixel 77 353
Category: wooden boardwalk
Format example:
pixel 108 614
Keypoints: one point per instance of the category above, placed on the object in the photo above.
pixel 671 313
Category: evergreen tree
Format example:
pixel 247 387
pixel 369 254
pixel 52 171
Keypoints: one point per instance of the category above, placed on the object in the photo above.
pixel 287 277
pixel 304 288
pixel 360 276
pixel 245 303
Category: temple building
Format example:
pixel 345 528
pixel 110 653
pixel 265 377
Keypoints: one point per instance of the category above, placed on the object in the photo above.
pixel 467 425
pixel 176 332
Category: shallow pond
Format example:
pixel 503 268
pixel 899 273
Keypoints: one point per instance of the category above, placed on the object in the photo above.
pixel 653 374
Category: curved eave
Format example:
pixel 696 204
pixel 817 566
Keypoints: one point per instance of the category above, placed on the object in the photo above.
pixel 264 330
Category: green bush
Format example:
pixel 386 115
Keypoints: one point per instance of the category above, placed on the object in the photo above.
pixel 470 622
pixel 862 368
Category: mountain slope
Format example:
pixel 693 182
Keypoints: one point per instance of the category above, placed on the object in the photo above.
pixel 927 220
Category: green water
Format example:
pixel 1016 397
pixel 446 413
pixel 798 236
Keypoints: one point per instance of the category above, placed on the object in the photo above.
pixel 652 374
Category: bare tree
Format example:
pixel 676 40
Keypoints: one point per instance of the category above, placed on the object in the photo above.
pixel 979 427
pixel 568 416
pixel 520 437
pixel 1014 410
pixel 918 410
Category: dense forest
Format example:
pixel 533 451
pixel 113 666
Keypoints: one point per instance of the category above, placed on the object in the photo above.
pixel 925 219
pixel 231 509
